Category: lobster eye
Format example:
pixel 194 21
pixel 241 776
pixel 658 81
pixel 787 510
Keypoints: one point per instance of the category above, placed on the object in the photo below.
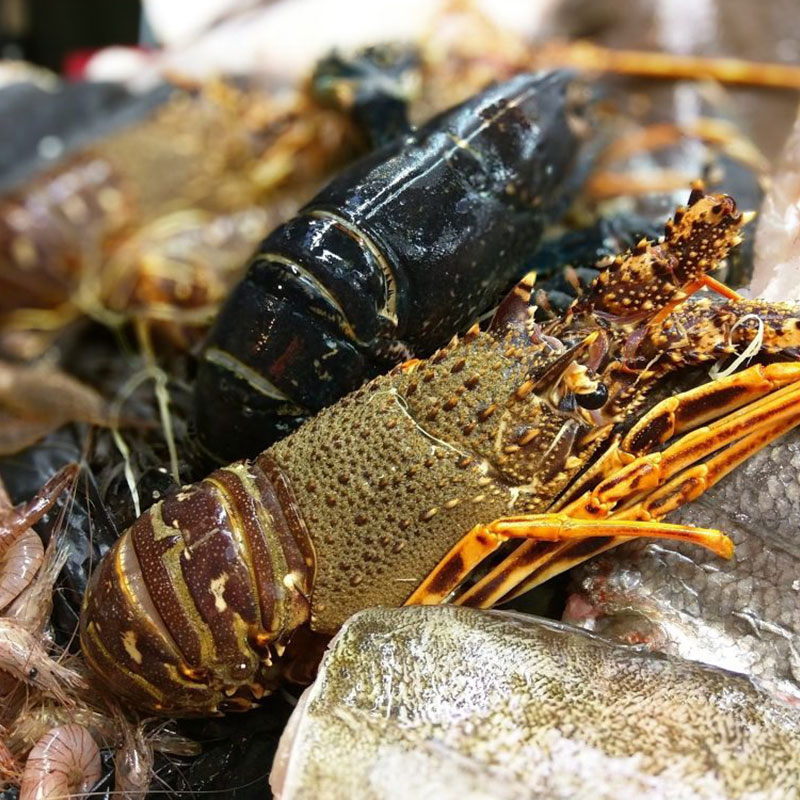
pixel 593 400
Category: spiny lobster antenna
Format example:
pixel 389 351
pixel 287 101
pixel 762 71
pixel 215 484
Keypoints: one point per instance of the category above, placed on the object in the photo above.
pixel 649 280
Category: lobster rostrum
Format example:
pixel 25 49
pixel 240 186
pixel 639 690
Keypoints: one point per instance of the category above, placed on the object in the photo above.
pixel 403 248
pixel 532 447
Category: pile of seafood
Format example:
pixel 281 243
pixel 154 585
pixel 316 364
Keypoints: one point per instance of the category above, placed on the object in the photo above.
pixel 473 322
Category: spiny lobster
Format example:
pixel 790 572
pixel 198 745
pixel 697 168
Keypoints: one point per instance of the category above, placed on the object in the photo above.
pixel 532 447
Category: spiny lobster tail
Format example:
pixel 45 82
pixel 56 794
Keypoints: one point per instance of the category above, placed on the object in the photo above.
pixel 193 603
pixel 653 276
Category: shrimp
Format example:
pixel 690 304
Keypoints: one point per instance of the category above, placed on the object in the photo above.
pixel 134 757
pixel 28 600
pixel 33 607
pixel 24 658
pixel 65 762
pixel 14 521
pixel 133 763
pixel 18 564
pixel 20 558
pixel 34 721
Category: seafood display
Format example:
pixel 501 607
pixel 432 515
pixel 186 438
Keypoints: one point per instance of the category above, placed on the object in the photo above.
pixel 454 702
pixel 401 491
pixel 52 722
pixel 27 666
pixel 149 222
pixel 619 396
pixel 401 250
pixel 257 381
pixel 680 109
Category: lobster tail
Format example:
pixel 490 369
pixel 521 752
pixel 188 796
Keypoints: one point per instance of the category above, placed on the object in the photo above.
pixel 253 384
pixel 188 610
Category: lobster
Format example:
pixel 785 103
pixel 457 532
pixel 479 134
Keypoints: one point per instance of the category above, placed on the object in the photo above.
pixel 403 248
pixel 508 456
pixel 148 222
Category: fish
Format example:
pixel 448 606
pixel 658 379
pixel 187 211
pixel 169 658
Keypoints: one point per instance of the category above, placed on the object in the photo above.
pixel 452 702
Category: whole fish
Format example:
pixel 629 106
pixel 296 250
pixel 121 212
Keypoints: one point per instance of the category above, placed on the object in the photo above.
pixel 450 702
pixel 743 614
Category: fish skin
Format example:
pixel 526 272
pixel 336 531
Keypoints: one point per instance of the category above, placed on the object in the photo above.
pixel 743 614
pixel 451 702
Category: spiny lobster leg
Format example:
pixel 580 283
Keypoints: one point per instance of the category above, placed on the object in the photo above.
pixel 652 470
pixel 483 540
pixel 692 482
pixel 764 403
pixel 537 567
pixel 682 413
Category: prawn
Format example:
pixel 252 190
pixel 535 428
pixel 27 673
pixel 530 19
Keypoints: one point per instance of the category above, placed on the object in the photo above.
pixel 65 762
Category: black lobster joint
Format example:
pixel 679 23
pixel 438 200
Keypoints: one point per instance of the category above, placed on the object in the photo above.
pixel 401 250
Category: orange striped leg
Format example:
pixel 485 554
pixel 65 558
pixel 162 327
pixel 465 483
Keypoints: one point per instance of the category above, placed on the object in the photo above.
pixel 539 567
pixel 683 413
pixel 654 469
pixel 703 282
pixel 483 540
pixel 681 490
pixel 691 483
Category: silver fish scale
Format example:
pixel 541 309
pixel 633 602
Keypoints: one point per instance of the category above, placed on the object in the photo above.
pixel 743 614
pixel 454 703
